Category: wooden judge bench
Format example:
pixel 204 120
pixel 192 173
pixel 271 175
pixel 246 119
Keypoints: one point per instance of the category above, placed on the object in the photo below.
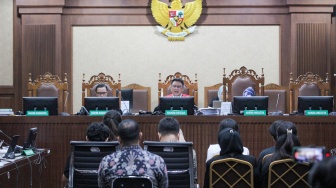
pixel 56 132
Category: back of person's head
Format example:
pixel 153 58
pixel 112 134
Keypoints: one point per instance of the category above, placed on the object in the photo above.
pixel 286 140
pixel 100 86
pixel 249 91
pixel 230 142
pixel 169 125
pixel 273 128
pixel 129 131
pixel 97 131
pixel 228 123
pixel 112 118
pixel 177 80
pixel 322 174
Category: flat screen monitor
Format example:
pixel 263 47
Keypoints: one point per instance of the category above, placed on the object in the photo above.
pixel 10 152
pixel 127 95
pixel 101 103
pixel 177 103
pixel 241 103
pixel 41 103
pixel 30 141
pixel 315 103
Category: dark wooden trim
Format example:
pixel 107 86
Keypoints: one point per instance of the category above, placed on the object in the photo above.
pixel 57 132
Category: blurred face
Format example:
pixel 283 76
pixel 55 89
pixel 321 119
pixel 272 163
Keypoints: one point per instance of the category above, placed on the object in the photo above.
pixel 101 92
pixel 176 88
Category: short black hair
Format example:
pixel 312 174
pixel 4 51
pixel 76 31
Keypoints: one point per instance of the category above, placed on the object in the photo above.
pixel 228 123
pixel 177 80
pixel 169 125
pixel 128 131
pixel 100 86
pixel 97 131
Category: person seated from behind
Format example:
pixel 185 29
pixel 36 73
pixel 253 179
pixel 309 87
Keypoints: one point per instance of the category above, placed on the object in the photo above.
pixel 97 131
pixel 214 149
pixel 177 88
pixel 249 92
pixel 231 147
pixel 101 90
pixel 169 131
pixel 131 159
pixel 111 119
pixel 273 132
pixel 286 140
pixel 322 174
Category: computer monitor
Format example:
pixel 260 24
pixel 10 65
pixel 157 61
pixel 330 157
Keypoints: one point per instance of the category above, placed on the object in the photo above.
pixel 177 103
pixel 315 103
pixel 30 141
pixel 101 103
pixel 41 103
pixel 241 103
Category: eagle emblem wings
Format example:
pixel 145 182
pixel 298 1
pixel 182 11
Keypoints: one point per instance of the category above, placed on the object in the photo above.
pixel 176 20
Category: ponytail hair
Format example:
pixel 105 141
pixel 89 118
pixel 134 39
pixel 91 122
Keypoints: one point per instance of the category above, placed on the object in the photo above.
pixel 286 140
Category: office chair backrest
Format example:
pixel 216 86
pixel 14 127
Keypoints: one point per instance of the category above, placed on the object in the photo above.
pixel 178 157
pixel 85 159
pixel 132 181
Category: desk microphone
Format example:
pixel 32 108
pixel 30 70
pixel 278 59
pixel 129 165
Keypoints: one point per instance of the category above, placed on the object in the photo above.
pixel 127 113
pixel 82 111
pixel 66 99
pixel 276 113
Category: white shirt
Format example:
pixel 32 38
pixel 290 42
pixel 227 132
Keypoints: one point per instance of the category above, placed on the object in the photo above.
pixel 214 149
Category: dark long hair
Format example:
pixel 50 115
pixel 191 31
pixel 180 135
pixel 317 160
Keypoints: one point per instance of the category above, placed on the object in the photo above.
pixel 286 140
pixel 111 119
pixel 230 142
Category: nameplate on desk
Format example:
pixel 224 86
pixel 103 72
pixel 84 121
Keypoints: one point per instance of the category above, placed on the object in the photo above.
pixel 254 112
pixel 316 112
pixel 97 112
pixel 37 113
pixel 28 152
pixel 176 112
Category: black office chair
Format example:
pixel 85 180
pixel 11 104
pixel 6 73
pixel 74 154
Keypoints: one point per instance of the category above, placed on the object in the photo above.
pixel 178 157
pixel 85 159
pixel 132 181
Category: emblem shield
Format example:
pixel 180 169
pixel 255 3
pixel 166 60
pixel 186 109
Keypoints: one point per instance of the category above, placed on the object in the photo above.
pixel 176 17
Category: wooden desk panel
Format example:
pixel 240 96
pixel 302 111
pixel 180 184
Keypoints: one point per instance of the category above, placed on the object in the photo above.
pixel 57 132
pixel 24 171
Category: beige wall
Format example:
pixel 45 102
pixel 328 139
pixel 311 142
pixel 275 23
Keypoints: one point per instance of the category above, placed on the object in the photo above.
pixel 6 42
pixel 139 54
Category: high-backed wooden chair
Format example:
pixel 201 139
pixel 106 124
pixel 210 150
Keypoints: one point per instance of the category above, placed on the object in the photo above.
pixel 231 172
pixel 141 97
pixel 49 85
pixel 278 99
pixel 308 84
pixel 88 88
pixel 210 94
pixel 191 88
pixel 288 173
pixel 240 79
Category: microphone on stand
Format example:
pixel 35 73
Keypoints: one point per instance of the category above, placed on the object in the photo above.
pixel 127 113
pixel 276 113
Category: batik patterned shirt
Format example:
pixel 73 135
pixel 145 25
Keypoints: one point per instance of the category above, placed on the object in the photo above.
pixel 132 161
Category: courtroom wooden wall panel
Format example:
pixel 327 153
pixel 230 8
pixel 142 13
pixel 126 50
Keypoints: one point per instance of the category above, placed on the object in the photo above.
pixel 57 132
pixel 66 14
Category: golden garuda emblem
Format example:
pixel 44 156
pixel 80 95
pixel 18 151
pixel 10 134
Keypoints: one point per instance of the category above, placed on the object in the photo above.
pixel 176 20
